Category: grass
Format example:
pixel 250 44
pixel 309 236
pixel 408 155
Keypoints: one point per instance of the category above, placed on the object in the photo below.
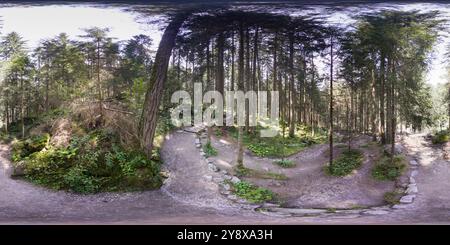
pixel 252 193
pixel 247 172
pixel 278 146
pixel 284 163
pixel 392 197
pixel 209 150
pixel 348 161
pixel 95 162
pixel 384 169
pixel 440 137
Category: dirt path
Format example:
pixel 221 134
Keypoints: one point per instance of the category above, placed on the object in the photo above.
pixel 187 198
pixel 307 184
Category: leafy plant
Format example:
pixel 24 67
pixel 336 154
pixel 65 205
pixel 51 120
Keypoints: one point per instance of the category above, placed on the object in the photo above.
pixel 252 193
pixel 345 163
pixel 392 197
pixel 209 150
pixel 384 169
pixel 440 137
pixel 284 163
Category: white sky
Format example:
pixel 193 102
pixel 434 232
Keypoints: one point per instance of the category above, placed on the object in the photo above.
pixel 40 22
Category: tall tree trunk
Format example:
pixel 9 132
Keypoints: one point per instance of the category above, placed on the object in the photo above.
pixel 382 94
pixel 291 85
pixel 158 77
pixel 240 154
pixel 331 101
pixel 220 70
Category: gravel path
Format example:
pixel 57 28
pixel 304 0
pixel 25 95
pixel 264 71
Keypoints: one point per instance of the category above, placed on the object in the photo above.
pixel 187 198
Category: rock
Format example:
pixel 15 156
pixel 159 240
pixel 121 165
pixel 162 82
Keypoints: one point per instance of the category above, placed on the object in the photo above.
pixel 270 205
pixel 266 169
pixel 401 206
pixel 179 131
pixel 413 163
pixel 232 197
pixel 223 171
pixel 218 179
pixel 299 211
pixel 376 212
pixel 226 187
pixel 414 173
pixel 198 145
pixel 412 180
pixel 208 177
pixel 407 199
pixel 18 169
pixel 61 132
pixel 226 193
pixel 202 154
pixel 213 167
pixel 412 189
pixel 197 141
pixel 235 180
pixel 227 177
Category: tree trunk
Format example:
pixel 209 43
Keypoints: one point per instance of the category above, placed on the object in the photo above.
pixel 291 85
pixel 331 101
pixel 220 70
pixel 158 77
pixel 240 154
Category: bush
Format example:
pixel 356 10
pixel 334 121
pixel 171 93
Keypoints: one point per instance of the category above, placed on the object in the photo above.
pixel 387 170
pixel 285 163
pixel 345 163
pixel 209 150
pixel 24 148
pixel 440 137
pixel 92 163
pixel 252 193
pixel 392 197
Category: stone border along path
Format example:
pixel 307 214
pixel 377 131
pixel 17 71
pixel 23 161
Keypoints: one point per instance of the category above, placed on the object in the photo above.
pixel 407 185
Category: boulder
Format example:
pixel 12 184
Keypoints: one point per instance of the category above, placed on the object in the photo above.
pixel 407 199
pixel 18 169
pixel 61 132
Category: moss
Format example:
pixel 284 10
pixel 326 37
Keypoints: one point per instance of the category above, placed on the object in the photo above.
pixel 285 163
pixel 92 163
pixel 252 193
pixel 209 150
pixel 384 169
pixel 248 172
pixel 348 161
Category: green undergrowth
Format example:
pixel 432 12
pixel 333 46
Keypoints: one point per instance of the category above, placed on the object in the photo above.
pixel 278 146
pixel 440 137
pixel 252 193
pixel 392 197
pixel 384 169
pixel 94 162
pixel 284 163
pixel 345 163
pixel 248 172
pixel 209 150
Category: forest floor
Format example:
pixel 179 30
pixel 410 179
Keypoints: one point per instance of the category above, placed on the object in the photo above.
pixel 188 198
pixel 307 185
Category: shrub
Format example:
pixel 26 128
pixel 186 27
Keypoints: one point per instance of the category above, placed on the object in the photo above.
pixel 345 163
pixel 209 150
pixel 91 163
pixel 24 148
pixel 392 197
pixel 252 193
pixel 284 163
pixel 440 137
pixel 384 169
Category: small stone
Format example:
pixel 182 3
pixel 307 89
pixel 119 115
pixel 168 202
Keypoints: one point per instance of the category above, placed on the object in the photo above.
pixel 232 197
pixel 226 187
pixel 413 162
pixel 414 173
pixel 376 212
pixel 223 171
pixel 407 199
pixel 202 154
pixel 227 177
pixel 412 188
pixel 208 177
pixel 265 169
pixel 412 180
pixel 198 145
pixel 197 141
pixel 400 206
pixel 213 167
pixel 179 131
pixel 226 193
pixel 218 179
pixel 235 180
